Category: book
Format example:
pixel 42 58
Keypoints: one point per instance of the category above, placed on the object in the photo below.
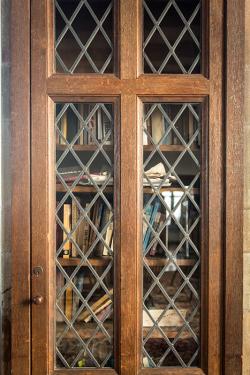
pixel 67 226
pixel 109 235
pixel 151 222
pixel 64 128
pixel 68 302
pixel 80 125
pixel 75 234
pixel 155 227
pixel 79 283
pixel 157 123
pixel 104 221
pixel 99 125
pixel 170 318
pixel 107 129
pixel 97 307
pixel 86 230
pixel 92 130
pixel 60 301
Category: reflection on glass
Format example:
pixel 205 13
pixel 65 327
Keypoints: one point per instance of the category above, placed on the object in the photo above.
pixel 171 235
pixel 84 36
pixel 172 40
pixel 84 235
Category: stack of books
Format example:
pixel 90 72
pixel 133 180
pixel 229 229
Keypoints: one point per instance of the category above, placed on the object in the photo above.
pixel 70 302
pixel 80 231
pixel 157 128
pixel 97 128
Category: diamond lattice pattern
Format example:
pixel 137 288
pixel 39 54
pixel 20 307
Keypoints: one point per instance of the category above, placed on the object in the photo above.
pixel 171 235
pixel 172 36
pixel 84 36
pixel 84 240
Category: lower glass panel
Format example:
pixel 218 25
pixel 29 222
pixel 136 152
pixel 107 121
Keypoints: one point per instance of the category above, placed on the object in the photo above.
pixel 171 235
pixel 84 237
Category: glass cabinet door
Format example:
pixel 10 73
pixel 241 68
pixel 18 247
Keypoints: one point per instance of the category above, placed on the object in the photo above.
pixel 127 190
pixel 85 235
pixel 171 234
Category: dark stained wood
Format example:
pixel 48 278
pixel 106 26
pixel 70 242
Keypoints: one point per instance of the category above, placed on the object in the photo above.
pixel 128 206
pixel 215 176
pixel 84 148
pixel 172 371
pixel 20 150
pixel 234 187
pixel 40 202
pixel 87 371
pixel 72 262
pixel 154 85
pixel 129 232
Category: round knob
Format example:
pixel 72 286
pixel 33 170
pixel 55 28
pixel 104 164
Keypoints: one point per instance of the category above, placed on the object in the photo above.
pixel 38 300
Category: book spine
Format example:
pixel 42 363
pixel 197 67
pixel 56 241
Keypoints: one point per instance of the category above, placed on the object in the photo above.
pixel 67 226
pixel 149 230
pixel 75 218
pixel 68 303
pixel 64 129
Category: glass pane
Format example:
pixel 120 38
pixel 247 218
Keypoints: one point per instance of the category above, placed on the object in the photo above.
pixel 84 35
pixel 172 36
pixel 85 235
pixel 171 235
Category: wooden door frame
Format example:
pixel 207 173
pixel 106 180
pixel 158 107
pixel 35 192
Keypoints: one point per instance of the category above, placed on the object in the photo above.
pixel 233 174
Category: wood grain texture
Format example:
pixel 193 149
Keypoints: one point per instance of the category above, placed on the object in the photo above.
pixel 129 47
pixel 234 186
pixel 20 137
pixel 40 186
pixel 172 371
pixel 154 85
pixel 215 176
pixel 129 232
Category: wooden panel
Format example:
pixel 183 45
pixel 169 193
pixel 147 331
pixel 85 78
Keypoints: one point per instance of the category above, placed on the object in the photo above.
pixel 129 232
pixel 40 186
pixel 234 178
pixel 129 48
pixel 73 85
pixel 172 371
pixel 215 174
pixel 20 230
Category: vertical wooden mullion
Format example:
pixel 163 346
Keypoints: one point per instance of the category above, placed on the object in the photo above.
pixel 20 199
pixel 130 288
pixel 129 236
pixel 129 38
pixel 234 117
pixel 215 186
pixel 40 183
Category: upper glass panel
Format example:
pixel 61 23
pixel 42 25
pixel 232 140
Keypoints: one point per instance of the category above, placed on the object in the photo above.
pixel 172 36
pixel 84 32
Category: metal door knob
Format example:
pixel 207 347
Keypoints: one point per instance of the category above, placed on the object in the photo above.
pixel 38 300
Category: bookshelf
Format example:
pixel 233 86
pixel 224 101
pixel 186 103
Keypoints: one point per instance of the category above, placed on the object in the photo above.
pixel 164 109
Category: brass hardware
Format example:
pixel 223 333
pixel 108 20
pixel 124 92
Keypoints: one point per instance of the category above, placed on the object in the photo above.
pixel 38 300
pixel 37 271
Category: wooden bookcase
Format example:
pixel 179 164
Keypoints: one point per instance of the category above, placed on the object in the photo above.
pixel 65 330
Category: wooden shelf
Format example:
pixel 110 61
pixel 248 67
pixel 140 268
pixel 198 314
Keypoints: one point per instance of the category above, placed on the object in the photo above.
pixel 172 148
pixel 72 262
pixel 109 189
pixel 83 189
pixel 86 330
pixel 155 262
pixel 84 148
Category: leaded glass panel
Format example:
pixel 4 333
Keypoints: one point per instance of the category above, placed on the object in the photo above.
pixel 85 235
pixel 84 32
pixel 172 36
pixel 171 234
